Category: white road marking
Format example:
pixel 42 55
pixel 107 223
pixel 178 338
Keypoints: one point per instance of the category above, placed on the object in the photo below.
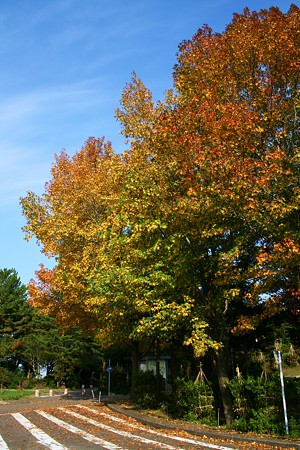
pixel 3 444
pixel 114 430
pixel 177 438
pixel 40 435
pixel 88 436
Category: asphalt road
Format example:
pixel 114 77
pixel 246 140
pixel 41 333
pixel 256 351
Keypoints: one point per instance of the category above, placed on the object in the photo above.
pixel 61 423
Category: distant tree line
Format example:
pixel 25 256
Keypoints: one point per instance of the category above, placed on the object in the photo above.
pixel 35 350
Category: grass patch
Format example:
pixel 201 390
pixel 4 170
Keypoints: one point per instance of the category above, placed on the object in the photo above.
pixel 291 371
pixel 15 394
pixel 18 394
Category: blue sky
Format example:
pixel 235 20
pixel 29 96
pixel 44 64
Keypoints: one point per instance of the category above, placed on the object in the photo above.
pixel 64 64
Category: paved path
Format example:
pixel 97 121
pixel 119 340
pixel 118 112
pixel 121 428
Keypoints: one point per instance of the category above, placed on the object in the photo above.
pixel 80 422
pixel 197 430
pixel 71 425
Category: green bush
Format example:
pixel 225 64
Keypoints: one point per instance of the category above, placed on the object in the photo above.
pixel 30 383
pixel 254 393
pixel 292 394
pixel 260 422
pixel 193 401
pixel 119 381
pixel 145 389
pixel 294 427
pixel 50 381
pixel 5 376
pixel 258 405
pixel 265 422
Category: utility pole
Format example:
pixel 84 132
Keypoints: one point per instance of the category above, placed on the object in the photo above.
pixel 277 355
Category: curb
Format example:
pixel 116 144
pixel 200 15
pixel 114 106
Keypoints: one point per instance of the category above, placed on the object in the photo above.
pixel 201 432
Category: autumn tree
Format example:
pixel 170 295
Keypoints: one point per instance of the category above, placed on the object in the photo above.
pixel 191 235
pixel 224 150
pixel 71 221
pixel 77 222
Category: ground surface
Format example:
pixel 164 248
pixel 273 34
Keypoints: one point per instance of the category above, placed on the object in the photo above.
pixel 76 422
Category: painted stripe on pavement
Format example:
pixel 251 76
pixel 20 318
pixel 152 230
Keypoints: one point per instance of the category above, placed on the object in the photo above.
pixel 40 435
pixel 114 430
pixel 85 435
pixel 3 444
pixel 177 438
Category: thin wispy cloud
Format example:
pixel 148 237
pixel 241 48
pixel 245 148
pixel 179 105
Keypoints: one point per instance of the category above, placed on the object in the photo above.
pixel 25 112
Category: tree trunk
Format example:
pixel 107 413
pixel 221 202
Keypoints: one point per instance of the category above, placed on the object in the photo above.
pixel 223 379
pixel 135 361
pixel 157 368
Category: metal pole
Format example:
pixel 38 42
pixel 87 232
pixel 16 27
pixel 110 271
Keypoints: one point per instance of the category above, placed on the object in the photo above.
pixel 108 390
pixel 279 361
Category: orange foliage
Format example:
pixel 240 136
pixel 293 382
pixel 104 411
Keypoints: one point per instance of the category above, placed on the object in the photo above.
pixel 204 205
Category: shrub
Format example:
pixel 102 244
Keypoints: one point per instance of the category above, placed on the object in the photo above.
pixel 258 405
pixel 193 400
pixel 254 393
pixel 119 381
pixel 4 377
pixel 294 427
pixel 145 389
